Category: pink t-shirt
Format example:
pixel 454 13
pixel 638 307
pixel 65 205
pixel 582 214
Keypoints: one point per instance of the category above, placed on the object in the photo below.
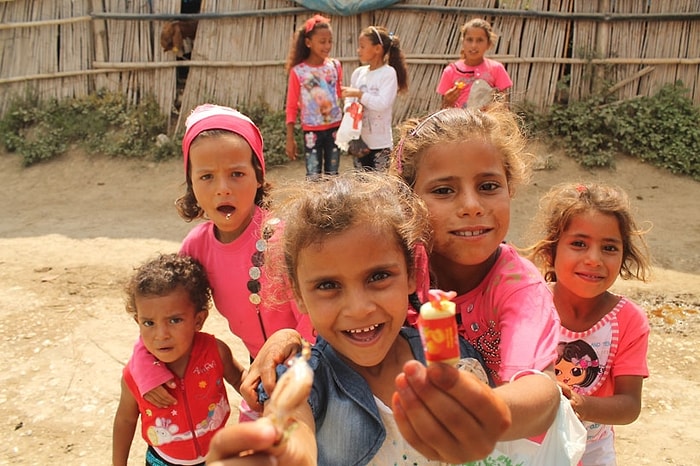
pixel 227 267
pixel 615 346
pixel 489 70
pixel 509 317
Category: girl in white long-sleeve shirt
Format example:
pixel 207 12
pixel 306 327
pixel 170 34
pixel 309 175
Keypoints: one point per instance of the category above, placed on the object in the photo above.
pixel 375 85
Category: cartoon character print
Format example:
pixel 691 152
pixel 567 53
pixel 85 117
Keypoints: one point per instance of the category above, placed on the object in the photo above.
pixel 578 365
pixel 164 432
pixel 320 101
pixel 216 417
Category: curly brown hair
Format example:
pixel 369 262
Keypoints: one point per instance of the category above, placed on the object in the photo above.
pixel 314 210
pixel 166 273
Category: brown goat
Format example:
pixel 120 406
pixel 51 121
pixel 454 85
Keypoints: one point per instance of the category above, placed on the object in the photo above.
pixel 178 36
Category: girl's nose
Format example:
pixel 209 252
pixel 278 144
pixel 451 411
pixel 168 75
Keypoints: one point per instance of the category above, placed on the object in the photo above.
pixel 470 204
pixel 223 187
pixel 593 256
pixel 162 332
pixel 358 303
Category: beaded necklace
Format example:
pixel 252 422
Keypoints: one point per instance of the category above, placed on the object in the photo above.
pixel 255 271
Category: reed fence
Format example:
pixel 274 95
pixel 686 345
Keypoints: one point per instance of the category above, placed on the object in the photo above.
pixel 554 50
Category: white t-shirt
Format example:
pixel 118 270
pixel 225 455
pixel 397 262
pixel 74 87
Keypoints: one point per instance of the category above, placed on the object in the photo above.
pixel 379 88
pixel 395 450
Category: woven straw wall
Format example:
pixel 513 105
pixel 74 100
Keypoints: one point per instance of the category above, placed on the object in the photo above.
pixel 64 48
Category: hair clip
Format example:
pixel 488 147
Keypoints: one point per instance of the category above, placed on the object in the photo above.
pixel 313 21
pixel 581 189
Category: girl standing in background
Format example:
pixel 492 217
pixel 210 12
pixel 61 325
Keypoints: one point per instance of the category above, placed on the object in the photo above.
pixel 314 91
pixel 375 86
pixel 473 71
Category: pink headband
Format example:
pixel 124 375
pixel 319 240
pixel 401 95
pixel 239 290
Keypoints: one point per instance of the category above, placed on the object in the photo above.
pixel 313 21
pixel 208 116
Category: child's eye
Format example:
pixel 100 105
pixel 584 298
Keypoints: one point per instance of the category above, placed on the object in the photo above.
pixel 379 276
pixel 490 186
pixel 175 320
pixel 610 248
pixel 327 285
pixel 237 174
pixel 205 177
pixel 578 244
pixel 147 323
pixel 444 190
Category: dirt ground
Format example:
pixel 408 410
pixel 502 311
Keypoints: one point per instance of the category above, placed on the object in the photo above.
pixel 72 229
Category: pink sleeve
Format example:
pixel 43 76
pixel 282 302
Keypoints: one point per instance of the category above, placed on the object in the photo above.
pixel 530 330
pixel 631 358
pixel 446 80
pixel 147 371
pixel 503 80
pixel 339 67
pixel 293 93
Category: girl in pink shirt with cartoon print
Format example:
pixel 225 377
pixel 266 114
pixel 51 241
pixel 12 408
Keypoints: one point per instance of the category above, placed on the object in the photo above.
pixel 589 239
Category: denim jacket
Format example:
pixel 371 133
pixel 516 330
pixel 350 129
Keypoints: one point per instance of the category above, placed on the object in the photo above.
pixel 349 430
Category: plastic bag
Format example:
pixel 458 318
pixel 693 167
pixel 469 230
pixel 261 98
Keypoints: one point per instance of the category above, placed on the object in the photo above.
pixel 563 445
pixel 350 126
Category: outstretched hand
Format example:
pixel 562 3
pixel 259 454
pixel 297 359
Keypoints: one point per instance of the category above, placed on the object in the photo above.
pixel 447 414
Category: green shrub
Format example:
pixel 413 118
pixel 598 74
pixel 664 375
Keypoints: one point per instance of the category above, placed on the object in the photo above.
pixel 102 122
pixel 107 123
pixel 663 130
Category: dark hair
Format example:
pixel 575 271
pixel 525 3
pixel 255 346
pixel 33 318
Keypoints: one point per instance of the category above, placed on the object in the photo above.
pixel 298 51
pixel 166 273
pixel 391 45
pixel 187 206
pixel 581 350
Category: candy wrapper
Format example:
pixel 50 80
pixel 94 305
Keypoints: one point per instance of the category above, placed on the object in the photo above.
pixel 438 328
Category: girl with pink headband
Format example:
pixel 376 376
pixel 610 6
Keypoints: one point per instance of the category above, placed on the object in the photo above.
pixel 225 178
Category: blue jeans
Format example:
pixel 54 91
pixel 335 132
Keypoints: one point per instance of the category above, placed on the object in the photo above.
pixel 322 155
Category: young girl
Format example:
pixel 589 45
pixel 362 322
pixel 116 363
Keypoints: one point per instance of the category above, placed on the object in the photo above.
pixel 465 165
pixel 348 250
pixel 589 238
pixel 168 297
pixel 225 177
pixel 314 88
pixel 473 74
pixel 375 86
